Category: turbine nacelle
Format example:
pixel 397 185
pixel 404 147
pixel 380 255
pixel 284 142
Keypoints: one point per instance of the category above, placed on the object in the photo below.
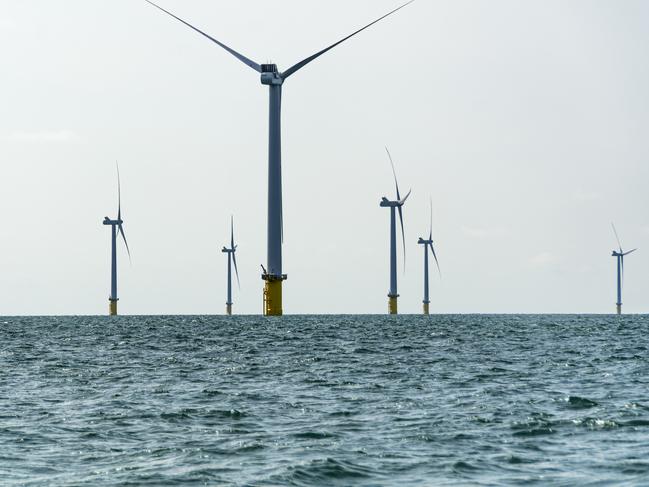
pixel 386 203
pixel 108 221
pixel 421 241
pixel 621 253
pixel 270 75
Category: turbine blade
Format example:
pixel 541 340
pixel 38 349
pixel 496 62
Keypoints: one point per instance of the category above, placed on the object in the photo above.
pixel 403 236
pixel 618 238
pixel 436 261
pixel 430 235
pixel 622 269
pixel 121 230
pixel 119 194
pixel 232 232
pixel 394 173
pixel 240 57
pixel 403 201
pixel 630 252
pixel 236 271
pixel 281 199
pixel 306 61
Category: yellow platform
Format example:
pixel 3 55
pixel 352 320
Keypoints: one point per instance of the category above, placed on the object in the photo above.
pixel 273 298
pixel 392 305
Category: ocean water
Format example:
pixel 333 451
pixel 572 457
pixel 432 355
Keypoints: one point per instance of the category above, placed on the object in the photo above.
pixel 324 400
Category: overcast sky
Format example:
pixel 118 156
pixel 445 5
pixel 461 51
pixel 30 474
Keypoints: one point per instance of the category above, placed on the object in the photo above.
pixel 525 121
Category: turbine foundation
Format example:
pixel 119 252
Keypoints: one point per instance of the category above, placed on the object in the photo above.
pixel 273 294
pixel 426 308
pixel 112 307
pixel 619 308
pixel 228 309
pixel 392 305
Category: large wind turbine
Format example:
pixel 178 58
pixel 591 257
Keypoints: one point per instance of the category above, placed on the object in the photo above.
pixel 116 226
pixel 428 243
pixel 231 258
pixel 620 270
pixel 271 77
pixel 394 205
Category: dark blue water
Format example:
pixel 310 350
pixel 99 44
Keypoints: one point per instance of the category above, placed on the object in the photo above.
pixel 348 400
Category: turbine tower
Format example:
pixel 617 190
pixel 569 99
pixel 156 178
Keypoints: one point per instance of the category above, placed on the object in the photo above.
pixel 426 244
pixel 116 227
pixel 394 205
pixel 271 77
pixel 620 270
pixel 231 258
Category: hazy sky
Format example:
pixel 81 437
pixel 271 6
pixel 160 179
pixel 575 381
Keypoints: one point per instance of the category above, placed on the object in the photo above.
pixel 525 121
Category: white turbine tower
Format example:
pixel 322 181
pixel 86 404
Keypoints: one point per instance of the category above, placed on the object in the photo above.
pixel 620 270
pixel 428 243
pixel 116 227
pixel 271 77
pixel 397 204
pixel 231 251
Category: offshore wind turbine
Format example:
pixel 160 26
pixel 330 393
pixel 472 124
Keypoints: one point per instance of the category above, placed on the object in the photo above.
pixel 428 243
pixel 620 270
pixel 116 227
pixel 231 259
pixel 394 205
pixel 271 77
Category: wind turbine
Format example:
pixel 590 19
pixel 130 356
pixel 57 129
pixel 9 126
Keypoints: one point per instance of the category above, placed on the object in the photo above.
pixel 426 244
pixel 231 258
pixel 271 77
pixel 394 205
pixel 620 270
pixel 116 227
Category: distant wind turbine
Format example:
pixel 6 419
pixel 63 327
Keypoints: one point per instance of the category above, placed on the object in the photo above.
pixel 116 226
pixel 271 77
pixel 394 205
pixel 428 243
pixel 231 258
pixel 620 270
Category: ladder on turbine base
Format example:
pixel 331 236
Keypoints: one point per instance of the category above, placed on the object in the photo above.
pixel 265 302
pixel 272 295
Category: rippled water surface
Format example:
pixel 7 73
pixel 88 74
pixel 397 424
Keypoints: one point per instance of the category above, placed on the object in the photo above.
pixel 337 400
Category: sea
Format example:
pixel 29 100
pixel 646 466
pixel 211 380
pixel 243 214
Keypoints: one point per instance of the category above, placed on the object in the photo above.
pixel 559 400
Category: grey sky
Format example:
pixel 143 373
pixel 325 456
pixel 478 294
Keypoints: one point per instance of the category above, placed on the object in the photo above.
pixel 526 121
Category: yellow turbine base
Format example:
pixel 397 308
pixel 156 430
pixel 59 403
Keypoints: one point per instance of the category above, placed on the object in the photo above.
pixel 392 305
pixel 112 307
pixel 426 308
pixel 273 298
pixel 228 309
